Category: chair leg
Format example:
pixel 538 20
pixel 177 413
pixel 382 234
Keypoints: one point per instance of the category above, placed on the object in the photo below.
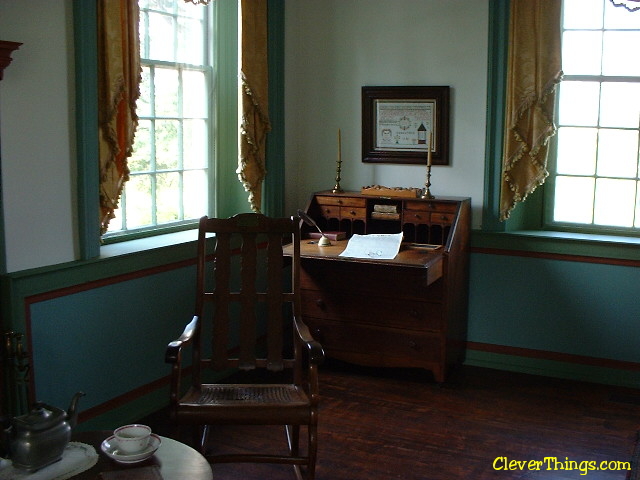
pixel 293 438
pixel 202 435
pixel 312 451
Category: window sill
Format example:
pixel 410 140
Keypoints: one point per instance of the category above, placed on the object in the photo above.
pixel 611 247
pixel 148 243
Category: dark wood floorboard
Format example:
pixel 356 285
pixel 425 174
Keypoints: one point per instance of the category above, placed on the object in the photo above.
pixel 398 424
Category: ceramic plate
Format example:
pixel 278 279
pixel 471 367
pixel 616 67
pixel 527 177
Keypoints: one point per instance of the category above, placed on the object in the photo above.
pixel 110 448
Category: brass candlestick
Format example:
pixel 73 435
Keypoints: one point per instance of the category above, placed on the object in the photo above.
pixel 427 192
pixel 336 187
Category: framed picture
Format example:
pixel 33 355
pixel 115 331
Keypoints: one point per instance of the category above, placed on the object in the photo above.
pixel 399 124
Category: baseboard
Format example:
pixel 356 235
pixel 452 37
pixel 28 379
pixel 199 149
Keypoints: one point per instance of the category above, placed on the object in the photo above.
pixel 568 370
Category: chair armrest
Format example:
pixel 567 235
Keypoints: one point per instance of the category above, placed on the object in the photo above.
pixel 172 354
pixel 314 349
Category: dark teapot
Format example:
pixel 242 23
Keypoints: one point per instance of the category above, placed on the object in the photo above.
pixel 39 438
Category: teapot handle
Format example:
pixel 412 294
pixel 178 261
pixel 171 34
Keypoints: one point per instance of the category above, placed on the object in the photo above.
pixel 5 426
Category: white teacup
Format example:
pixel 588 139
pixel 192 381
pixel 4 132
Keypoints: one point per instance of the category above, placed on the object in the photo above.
pixel 132 438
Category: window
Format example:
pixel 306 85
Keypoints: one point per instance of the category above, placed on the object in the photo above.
pixel 171 161
pixel 594 182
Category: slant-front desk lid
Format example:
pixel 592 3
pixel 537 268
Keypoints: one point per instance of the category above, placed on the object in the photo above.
pixel 410 255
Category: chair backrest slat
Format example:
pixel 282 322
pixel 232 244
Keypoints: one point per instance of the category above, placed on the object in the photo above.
pixel 275 302
pixel 248 301
pixel 222 273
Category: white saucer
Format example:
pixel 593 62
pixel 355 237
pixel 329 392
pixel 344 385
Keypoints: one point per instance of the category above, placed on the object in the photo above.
pixel 110 447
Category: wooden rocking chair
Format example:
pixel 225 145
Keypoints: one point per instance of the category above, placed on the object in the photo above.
pixel 242 339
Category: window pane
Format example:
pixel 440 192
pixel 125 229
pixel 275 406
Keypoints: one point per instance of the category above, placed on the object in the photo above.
pixel 615 200
pixel 167 144
pixel 143 105
pixel 581 53
pixel 161 31
pixel 618 153
pixel 195 193
pixel 637 222
pixel 190 41
pixel 619 17
pixel 195 94
pixel 143 34
pixel 164 5
pixel 195 144
pixel 141 156
pixel 582 13
pixel 620 105
pixel 139 201
pixel 168 197
pixel 621 54
pixel 167 91
pixel 573 199
pixel 187 9
pixel 577 151
pixel 578 103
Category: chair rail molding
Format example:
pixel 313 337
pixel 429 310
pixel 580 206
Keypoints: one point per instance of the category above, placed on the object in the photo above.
pixel 5 54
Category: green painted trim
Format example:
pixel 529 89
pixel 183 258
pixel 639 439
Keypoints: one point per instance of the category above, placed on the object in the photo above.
pixel 273 195
pixel 86 77
pixel 229 195
pixel 46 279
pixel 553 368
pixel 602 247
pixel 496 98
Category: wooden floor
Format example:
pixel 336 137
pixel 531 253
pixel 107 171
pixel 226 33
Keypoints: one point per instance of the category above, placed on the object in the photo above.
pixel 399 424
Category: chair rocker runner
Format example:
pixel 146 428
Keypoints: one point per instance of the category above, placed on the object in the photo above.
pixel 241 320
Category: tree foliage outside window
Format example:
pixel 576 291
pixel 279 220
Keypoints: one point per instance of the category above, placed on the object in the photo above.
pixel 595 175
pixel 170 164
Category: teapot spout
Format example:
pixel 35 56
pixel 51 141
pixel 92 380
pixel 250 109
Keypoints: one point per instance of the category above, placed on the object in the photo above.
pixel 72 413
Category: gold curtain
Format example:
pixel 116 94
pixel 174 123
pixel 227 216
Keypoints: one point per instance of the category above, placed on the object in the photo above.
pixel 534 71
pixel 118 89
pixel 255 117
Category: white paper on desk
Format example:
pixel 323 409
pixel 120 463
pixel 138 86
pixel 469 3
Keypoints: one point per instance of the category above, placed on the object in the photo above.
pixel 382 246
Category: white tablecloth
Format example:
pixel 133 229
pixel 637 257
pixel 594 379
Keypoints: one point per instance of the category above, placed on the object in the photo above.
pixel 76 458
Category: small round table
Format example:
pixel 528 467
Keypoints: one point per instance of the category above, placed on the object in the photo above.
pixel 176 460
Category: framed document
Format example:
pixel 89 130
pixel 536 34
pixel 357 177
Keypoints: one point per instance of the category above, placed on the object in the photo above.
pixel 400 124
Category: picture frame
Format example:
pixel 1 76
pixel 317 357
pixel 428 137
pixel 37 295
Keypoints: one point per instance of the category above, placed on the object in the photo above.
pixel 396 122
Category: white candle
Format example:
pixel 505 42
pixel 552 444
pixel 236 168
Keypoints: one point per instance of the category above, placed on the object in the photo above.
pixel 429 149
pixel 339 147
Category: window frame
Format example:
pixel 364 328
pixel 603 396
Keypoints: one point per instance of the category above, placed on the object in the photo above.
pixel 229 195
pixel 210 74
pixel 549 191
pixel 525 229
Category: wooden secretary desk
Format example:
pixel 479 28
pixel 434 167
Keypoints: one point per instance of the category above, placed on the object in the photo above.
pixel 410 311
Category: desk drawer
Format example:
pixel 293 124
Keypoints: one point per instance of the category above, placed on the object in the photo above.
pixel 341 201
pixel 431 206
pixel 368 280
pixel 353 212
pixel 376 342
pixel 372 310
pixel 442 218
pixel 330 211
pixel 416 217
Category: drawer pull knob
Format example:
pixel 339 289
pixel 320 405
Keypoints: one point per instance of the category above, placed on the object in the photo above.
pixel 320 303
pixel 413 345
pixel 414 313
pixel 418 216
